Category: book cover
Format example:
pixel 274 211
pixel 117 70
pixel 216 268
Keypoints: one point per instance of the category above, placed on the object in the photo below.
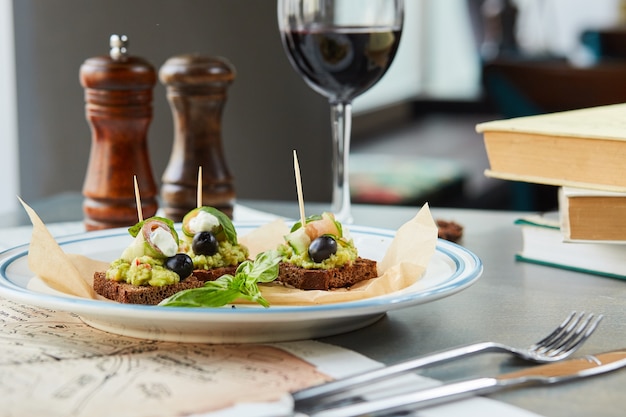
pixel 580 148
pixel 592 215
pixel 543 244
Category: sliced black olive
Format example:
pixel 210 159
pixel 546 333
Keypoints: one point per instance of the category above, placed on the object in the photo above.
pixel 180 263
pixel 204 243
pixel 322 248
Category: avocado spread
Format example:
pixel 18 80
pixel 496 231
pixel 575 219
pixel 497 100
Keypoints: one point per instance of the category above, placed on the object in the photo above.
pixel 226 255
pixel 346 252
pixel 144 270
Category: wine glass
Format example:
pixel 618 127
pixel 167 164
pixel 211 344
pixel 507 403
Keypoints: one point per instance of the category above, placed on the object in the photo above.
pixel 341 48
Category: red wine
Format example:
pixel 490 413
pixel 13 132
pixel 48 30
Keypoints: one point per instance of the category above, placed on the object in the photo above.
pixel 342 63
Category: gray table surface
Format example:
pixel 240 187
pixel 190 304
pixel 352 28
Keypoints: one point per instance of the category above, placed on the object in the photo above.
pixel 513 302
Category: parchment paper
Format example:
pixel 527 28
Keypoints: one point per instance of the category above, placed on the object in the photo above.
pixel 404 263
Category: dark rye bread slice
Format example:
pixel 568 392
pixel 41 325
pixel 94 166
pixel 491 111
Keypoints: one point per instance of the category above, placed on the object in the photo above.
pixel 123 292
pixel 324 279
pixel 205 275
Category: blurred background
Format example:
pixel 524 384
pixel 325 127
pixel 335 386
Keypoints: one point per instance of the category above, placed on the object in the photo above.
pixel 460 62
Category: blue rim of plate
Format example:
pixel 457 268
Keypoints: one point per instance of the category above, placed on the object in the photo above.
pixel 464 275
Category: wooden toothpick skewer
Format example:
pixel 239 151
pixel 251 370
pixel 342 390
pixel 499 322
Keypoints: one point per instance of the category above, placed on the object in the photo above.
pixel 296 168
pixel 199 191
pixel 138 199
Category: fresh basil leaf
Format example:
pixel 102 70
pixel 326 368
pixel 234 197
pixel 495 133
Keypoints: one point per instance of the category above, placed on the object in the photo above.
pixel 309 219
pixel 213 294
pixel 339 227
pixel 228 288
pixel 134 230
pixel 265 266
pixel 254 294
pixel 207 296
pixel 227 225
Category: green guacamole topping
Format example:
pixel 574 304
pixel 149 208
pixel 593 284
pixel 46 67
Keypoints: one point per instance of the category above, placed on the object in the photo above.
pixel 227 255
pixel 143 270
pixel 346 252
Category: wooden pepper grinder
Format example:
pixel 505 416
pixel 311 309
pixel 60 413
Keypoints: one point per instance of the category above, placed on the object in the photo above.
pixel 118 96
pixel 196 89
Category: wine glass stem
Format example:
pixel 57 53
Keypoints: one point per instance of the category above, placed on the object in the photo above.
pixel 341 119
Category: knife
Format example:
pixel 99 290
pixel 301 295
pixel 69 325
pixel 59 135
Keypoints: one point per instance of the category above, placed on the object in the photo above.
pixel 560 372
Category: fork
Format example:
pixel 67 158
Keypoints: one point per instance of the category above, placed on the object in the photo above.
pixel 399 404
pixel 559 344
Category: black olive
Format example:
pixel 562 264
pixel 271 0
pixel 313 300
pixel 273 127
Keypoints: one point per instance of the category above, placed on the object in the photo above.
pixel 204 243
pixel 322 247
pixel 180 263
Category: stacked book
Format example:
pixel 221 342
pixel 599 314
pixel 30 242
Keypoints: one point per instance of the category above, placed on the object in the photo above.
pixel 584 153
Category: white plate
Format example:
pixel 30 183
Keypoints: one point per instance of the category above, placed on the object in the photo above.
pixel 451 269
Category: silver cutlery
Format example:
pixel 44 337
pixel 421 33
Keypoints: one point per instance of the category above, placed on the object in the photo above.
pixel 566 371
pixel 557 345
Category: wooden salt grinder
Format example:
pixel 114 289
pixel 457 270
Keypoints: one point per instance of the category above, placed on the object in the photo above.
pixel 196 89
pixel 118 96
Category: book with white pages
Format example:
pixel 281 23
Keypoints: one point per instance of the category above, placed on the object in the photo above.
pixel 543 244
